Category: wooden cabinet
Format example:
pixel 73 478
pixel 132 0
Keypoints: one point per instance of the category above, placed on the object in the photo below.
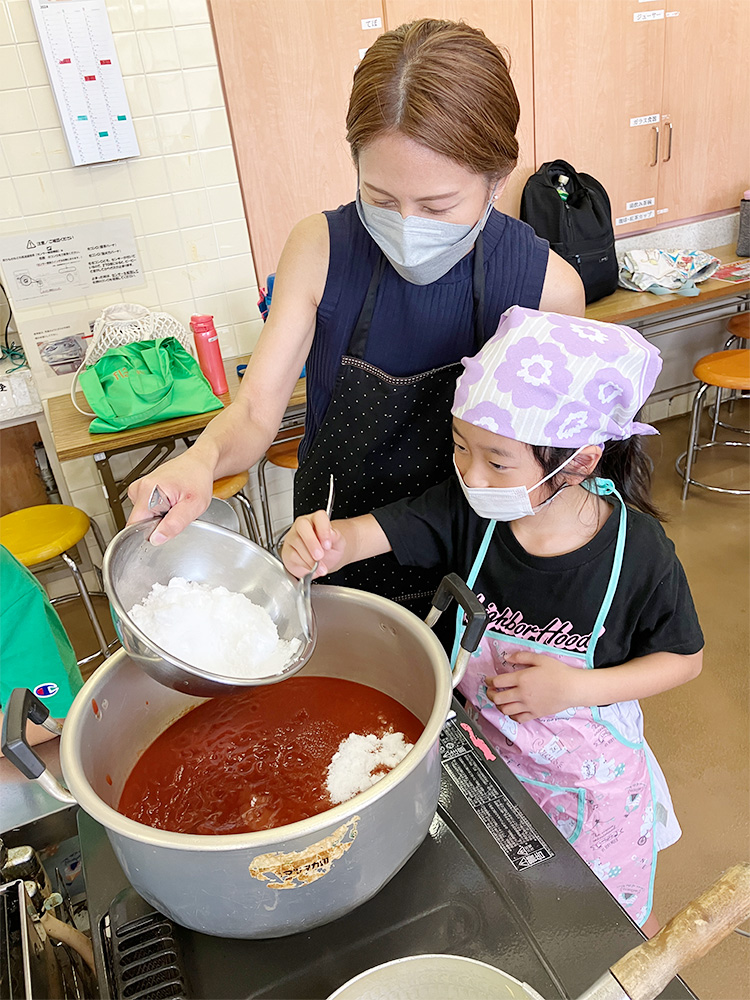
pixel 706 108
pixel 22 485
pixel 649 98
pixel 287 68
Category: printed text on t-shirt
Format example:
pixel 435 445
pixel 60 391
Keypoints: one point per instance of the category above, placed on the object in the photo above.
pixel 556 633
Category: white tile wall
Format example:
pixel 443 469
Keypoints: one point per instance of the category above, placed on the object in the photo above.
pixel 181 193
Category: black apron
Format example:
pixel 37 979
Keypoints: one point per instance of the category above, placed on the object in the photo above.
pixel 384 438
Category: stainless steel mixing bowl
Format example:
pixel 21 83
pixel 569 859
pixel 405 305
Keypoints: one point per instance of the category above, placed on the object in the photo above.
pixel 209 554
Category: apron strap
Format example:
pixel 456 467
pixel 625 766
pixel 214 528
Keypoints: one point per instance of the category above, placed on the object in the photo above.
pixel 605 487
pixel 471 579
pixel 358 340
pixel 478 285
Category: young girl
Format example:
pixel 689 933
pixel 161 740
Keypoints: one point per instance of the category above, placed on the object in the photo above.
pixel 549 520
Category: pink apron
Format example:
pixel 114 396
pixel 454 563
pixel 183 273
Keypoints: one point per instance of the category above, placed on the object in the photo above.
pixel 589 769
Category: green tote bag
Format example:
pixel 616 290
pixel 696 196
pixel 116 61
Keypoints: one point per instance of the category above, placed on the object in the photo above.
pixel 144 382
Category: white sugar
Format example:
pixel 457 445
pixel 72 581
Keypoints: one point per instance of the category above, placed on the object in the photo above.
pixel 213 628
pixel 351 769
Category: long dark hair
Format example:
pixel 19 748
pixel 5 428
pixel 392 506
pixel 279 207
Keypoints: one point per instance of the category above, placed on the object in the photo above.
pixel 624 462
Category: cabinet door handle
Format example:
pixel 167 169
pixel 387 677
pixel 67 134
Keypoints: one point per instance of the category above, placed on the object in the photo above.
pixel 656 146
pixel 668 157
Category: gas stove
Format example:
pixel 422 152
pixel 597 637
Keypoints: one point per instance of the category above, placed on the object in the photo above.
pixel 493 881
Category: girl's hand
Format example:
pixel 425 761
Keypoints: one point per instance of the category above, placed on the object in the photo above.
pixel 313 539
pixel 540 685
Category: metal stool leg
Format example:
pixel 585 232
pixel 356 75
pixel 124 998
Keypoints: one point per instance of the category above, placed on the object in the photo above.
pixel 251 521
pixel 717 407
pixel 99 538
pixel 83 591
pixel 264 502
pixel 693 437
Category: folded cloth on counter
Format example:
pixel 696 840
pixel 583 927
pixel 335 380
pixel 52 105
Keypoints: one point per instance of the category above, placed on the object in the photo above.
pixel 666 272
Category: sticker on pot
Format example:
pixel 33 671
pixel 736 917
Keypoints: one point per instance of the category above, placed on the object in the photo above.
pixel 298 868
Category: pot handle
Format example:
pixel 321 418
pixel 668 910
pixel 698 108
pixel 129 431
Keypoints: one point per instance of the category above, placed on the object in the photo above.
pixel 453 586
pixel 24 705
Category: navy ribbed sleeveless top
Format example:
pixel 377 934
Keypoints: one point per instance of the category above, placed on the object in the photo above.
pixel 415 327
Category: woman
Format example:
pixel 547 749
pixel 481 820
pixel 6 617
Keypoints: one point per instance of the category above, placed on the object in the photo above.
pixel 383 297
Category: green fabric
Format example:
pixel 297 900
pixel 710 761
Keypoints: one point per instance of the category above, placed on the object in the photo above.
pixel 142 383
pixel 34 647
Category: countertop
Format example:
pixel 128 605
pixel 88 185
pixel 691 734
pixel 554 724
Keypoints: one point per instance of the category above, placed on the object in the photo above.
pixel 23 800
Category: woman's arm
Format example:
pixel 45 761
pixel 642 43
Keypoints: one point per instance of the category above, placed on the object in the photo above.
pixel 238 436
pixel 562 291
pixel 542 685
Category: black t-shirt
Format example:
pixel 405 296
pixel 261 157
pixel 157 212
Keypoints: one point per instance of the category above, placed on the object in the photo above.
pixel 556 599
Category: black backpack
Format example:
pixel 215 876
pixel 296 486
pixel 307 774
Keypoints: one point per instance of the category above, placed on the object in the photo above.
pixel 578 228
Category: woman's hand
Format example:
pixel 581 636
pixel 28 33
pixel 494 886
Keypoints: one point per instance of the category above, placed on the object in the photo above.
pixel 187 483
pixel 539 686
pixel 313 539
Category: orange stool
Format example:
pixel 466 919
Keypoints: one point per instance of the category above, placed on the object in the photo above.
pixel 35 535
pixel 738 328
pixel 282 454
pixel 724 370
pixel 231 488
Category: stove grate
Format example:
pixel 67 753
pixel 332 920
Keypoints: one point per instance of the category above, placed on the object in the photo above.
pixel 145 959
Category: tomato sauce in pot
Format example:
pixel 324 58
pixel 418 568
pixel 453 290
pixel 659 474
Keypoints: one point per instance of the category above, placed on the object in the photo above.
pixel 256 760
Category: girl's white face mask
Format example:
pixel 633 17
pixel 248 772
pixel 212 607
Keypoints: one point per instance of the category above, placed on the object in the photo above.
pixel 420 250
pixel 507 503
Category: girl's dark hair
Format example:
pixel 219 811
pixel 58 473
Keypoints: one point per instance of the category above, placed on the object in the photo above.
pixel 624 462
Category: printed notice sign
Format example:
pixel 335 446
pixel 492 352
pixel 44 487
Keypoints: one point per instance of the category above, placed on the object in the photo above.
pixel 79 51
pixel 514 833
pixel 70 262
pixel 624 220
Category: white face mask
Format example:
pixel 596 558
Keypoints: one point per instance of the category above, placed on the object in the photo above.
pixel 507 503
pixel 420 250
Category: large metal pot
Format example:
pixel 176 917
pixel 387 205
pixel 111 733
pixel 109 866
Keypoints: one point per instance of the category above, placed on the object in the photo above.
pixel 295 877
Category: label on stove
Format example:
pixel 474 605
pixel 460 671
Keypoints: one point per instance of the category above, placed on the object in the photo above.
pixel 512 831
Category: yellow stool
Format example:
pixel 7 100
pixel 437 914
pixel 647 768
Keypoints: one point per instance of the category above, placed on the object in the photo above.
pixel 283 455
pixel 231 488
pixel 34 535
pixel 724 370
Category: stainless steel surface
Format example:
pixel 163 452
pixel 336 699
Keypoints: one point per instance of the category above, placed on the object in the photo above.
pixel 209 554
pixel 425 977
pixel 28 967
pixel 24 801
pixel 606 987
pixel 222 513
pixel 328 864
pixel 467 890
pixel 158 503
pixel 306 611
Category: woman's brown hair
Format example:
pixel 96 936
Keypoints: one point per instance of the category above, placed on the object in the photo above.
pixel 442 84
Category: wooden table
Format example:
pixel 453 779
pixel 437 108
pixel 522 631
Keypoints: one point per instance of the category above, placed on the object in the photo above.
pixel 70 430
pixel 623 306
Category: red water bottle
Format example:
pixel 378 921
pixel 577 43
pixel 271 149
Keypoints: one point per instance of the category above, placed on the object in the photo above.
pixel 209 352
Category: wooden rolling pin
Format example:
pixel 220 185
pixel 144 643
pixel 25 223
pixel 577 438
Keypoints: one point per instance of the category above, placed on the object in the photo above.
pixel 644 972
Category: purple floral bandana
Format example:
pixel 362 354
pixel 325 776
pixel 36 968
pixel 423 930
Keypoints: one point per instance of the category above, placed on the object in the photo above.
pixel 549 379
